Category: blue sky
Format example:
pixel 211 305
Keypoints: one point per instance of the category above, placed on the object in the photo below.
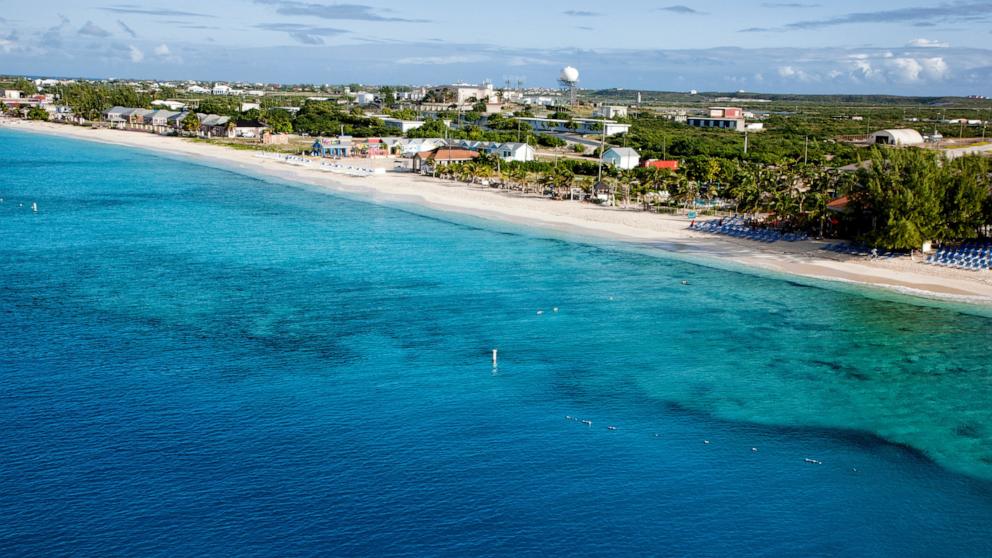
pixel 810 46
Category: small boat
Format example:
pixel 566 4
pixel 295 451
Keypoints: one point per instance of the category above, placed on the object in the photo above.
pixel 706 441
pixel 611 427
pixel 813 461
pixel 587 422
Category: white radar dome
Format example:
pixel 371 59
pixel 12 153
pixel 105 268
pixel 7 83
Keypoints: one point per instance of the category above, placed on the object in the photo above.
pixel 569 74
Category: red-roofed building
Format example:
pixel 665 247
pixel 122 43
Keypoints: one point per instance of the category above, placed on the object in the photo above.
pixel 428 160
pixel 662 164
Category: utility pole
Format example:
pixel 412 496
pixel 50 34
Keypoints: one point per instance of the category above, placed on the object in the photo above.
pixel 745 142
pixel 806 151
pixel 602 152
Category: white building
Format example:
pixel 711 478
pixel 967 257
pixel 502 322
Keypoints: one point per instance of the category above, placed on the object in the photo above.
pixel 197 89
pixel 622 157
pixel 897 137
pixel 513 151
pixel 403 126
pixel 578 125
pixel 245 107
pixel 611 112
pixel 464 93
pixel 364 98
pixel 221 89
pixel 11 94
pixel 171 105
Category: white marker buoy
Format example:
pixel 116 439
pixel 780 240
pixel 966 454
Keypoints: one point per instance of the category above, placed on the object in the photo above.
pixel 34 207
pixel 494 358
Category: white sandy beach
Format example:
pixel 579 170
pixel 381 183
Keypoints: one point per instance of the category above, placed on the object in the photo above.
pixel 667 232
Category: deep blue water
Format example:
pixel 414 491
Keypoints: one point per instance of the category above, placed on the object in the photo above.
pixel 195 362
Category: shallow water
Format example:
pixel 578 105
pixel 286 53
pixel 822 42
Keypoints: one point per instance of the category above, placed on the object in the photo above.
pixel 198 362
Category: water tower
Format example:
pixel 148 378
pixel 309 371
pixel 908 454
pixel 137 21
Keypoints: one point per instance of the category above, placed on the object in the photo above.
pixel 569 79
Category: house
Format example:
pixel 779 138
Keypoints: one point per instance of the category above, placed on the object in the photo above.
pixel 197 90
pixel 11 94
pixel 898 137
pixel 158 120
pixel 117 117
pixel 611 112
pixel 221 89
pixel 248 129
pixel 245 107
pixel 213 125
pixel 661 164
pixel 409 148
pixel 622 157
pixel 176 121
pixel 513 151
pixel 427 161
pixel 136 117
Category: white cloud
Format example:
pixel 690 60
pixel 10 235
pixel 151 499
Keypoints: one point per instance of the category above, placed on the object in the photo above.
pixel 440 60
pixel 162 50
pixel 136 54
pixel 792 72
pixel 927 43
pixel 7 45
pixel 918 69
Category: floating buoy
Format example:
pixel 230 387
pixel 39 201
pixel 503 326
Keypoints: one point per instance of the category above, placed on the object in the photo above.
pixel 494 358
pixel 706 441
pixel 755 450
pixel 34 207
pixel 555 309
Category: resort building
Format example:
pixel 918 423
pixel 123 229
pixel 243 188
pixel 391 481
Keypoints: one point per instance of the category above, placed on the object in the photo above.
pixel 898 137
pixel 576 125
pixel 622 157
pixel 728 118
pixel 363 98
pixel 339 147
pixel 402 126
pixel 611 112
pixel 428 161
pixel 462 93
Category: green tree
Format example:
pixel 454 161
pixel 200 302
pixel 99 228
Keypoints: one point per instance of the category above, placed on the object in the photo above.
pixel 191 123
pixel 37 113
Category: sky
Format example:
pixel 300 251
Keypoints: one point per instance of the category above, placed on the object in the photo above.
pixel 810 46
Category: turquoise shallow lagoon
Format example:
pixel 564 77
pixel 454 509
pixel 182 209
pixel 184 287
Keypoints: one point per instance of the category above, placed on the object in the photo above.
pixel 200 362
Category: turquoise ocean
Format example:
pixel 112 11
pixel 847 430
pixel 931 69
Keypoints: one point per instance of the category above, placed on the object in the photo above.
pixel 199 362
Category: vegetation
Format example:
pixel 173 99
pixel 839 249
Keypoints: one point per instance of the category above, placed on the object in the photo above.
pixel 191 123
pixel 37 113
pixel 910 196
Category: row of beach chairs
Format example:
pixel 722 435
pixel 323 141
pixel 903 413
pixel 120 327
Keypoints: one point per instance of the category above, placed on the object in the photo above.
pixel 737 228
pixel 972 255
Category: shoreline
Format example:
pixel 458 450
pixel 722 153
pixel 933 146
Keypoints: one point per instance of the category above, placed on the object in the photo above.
pixel 577 219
